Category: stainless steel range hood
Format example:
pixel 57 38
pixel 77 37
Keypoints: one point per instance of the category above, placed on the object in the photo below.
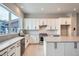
pixel 42 26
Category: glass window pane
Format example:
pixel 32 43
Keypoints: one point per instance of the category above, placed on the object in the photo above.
pixel 9 23
pixel 4 20
pixel 14 23
pixel 4 14
pixel 13 17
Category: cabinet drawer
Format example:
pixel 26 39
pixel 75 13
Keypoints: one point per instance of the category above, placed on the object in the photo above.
pixel 12 47
pixel 3 53
pixel 12 52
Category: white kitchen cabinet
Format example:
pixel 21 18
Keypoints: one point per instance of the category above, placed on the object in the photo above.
pixel 18 48
pixel 55 49
pixel 65 21
pixel 34 39
pixel 59 50
pixel 27 38
pixel 12 50
pixel 50 49
pixel 3 52
pixel 62 49
pixel 69 49
pixel 37 39
pixel 77 49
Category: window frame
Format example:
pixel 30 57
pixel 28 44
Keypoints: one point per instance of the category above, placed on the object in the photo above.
pixel 10 12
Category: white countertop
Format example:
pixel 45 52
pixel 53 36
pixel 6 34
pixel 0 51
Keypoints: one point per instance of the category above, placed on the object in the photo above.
pixel 62 39
pixel 7 43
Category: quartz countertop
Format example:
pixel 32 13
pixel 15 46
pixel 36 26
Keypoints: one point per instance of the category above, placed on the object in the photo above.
pixel 62 39
pixel 9 42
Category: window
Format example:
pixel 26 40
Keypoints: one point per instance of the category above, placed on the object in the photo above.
pixel 4 20
pixel 9 22
pixel 14 23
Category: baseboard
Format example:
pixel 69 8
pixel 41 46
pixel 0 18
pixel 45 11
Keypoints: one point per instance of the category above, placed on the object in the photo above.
pixel 33 43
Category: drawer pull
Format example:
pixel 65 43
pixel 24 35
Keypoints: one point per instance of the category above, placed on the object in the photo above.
pixel 12 54
pixel 75 45
pixel 12 47
pixel 18 45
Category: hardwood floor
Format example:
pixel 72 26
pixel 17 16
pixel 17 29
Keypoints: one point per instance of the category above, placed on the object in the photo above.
pixel 34 50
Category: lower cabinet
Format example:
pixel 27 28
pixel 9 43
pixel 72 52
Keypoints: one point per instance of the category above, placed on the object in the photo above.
pixel 55 49
pixel 27 41
pixel 59 49
pixel 34 39
pixel 3 52
pixel 50 50
pixel 13 50
pixel 77 50
pixel 18 48
pixel 62 49
pixel 70 49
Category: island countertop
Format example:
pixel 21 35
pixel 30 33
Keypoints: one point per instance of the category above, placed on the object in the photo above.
pixel 62 39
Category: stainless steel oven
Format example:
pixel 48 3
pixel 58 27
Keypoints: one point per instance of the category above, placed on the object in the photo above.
pixel 41 36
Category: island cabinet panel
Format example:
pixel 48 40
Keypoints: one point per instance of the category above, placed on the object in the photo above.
pixel 59 49
pixel 55 49
pixel 70 49
pixel 62 49
pixel 77 50
pixel 50 50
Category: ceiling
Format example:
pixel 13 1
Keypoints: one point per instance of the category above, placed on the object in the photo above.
pixel 48 8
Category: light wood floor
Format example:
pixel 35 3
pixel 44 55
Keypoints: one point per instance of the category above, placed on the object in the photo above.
pixel 34 50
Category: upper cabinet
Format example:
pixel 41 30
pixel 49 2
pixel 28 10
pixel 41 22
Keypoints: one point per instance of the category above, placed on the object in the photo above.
pixel 31 24
pixel 65 21
pixel 51 23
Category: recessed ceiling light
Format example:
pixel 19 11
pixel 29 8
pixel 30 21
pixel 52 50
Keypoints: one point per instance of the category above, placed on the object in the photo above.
pixel 74 9
pixel 58 9
pixel 42 9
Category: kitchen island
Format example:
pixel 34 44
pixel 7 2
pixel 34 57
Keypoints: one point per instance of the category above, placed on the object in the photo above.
pixel 61 46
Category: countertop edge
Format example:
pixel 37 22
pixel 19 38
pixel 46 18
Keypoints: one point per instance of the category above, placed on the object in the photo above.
pixel 7 43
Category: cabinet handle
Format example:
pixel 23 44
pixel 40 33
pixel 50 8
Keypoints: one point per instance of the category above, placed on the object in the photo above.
pixel 55 45
pixel 12 54
pixel 12 47
pixel 75 45
pixel 18 45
